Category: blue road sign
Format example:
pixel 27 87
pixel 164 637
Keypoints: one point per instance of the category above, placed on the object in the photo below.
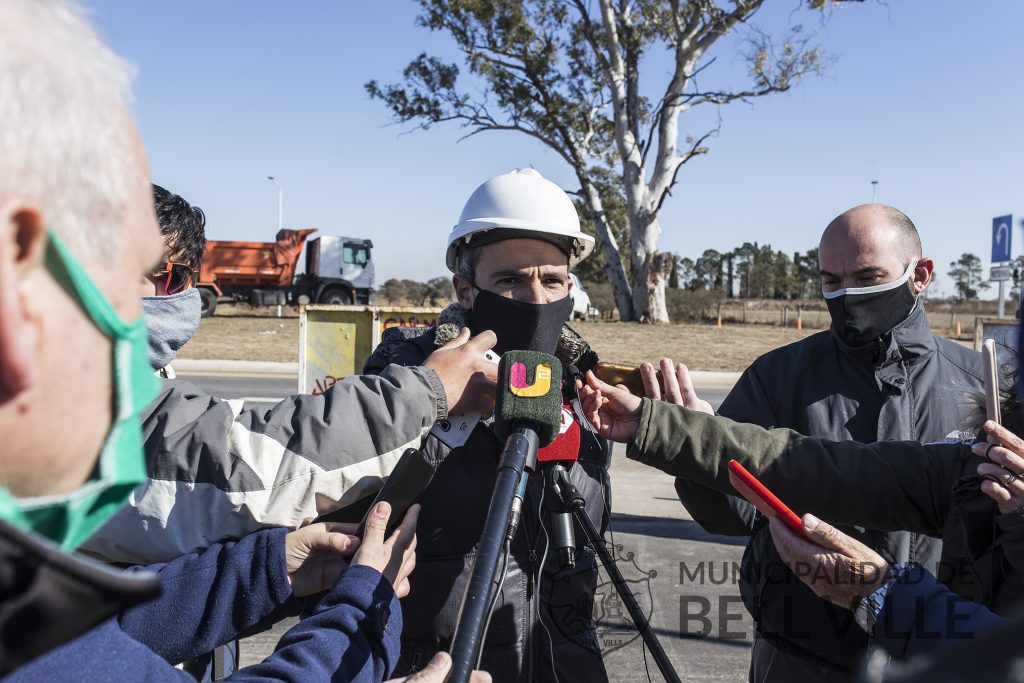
pixel 1002 229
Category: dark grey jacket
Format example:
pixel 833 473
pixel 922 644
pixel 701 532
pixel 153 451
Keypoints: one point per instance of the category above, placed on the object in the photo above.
pixel 910 385
pixel 535 601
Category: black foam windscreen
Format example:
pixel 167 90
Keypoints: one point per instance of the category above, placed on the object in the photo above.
pixel 529 388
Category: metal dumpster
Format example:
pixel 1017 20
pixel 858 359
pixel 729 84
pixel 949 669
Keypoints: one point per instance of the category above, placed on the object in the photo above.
pixel 335 341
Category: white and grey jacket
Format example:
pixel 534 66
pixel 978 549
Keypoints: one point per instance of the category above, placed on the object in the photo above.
pixel 217 472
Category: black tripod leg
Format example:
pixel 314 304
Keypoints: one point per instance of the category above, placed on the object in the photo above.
pixel 632 606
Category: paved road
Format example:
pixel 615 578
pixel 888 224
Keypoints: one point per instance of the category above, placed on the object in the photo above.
pixel 255 390
pixel 674 567
pixel 263 390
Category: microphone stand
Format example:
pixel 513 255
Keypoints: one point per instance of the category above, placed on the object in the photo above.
pixel 520 455
pixel 574 502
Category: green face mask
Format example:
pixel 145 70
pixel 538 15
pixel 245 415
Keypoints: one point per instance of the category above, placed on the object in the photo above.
pixel 70 518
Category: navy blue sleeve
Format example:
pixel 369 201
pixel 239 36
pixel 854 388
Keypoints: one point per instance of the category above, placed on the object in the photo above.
pixel 921 614
pixel 352 637
pixel 210 598
pixel 353 631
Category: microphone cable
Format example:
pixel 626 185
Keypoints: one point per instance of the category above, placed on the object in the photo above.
pixel 540 575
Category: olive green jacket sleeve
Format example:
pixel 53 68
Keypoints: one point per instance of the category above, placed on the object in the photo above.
pixel 885 486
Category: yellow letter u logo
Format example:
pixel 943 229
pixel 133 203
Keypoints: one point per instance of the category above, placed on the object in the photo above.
pixel 541 382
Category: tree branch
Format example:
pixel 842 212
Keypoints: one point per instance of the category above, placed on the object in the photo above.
pixel 661 192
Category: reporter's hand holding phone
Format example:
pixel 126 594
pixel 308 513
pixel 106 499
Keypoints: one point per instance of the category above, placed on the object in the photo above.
pixel 1003 472
pixel 394 557
pixel 836 567
pixel 317 554
pixel 437 670
pixel 469 379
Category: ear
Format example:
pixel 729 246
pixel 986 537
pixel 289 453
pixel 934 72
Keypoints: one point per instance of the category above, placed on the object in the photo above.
pixel 922 276
pixel 464 292
pixel 22 253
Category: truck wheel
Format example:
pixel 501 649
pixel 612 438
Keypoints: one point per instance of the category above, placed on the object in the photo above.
pixel 336 295
pixel 209 301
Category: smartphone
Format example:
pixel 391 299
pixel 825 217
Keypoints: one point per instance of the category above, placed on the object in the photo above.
pixel 407 481
pixel 454 431
pixel 990 369
pixel 627 375
pixel 764 500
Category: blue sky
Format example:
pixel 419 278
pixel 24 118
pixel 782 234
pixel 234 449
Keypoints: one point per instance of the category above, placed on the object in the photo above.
pixel 924 95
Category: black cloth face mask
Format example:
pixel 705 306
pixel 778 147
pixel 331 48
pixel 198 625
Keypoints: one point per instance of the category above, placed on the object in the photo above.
pixel 520 326
pixel 860 315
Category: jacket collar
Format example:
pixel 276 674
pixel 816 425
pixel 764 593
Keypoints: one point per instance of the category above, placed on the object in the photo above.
pixel 910 339
pixel 48 597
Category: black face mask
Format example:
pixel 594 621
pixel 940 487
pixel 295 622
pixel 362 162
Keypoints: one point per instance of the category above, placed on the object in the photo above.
pixel 860 315
pixel 519 326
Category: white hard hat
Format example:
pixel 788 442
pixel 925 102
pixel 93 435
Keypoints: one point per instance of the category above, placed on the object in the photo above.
pixel 522 201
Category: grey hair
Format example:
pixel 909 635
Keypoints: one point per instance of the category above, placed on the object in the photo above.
pixel 465 263
pixel 66 141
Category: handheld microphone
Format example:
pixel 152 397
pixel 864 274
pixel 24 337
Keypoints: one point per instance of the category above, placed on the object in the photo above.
pixel 529 393
pixel 527 415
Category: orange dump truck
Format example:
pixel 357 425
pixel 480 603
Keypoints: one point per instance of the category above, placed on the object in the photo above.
pixel 338 270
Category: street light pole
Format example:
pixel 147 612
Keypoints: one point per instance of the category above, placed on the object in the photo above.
pixel 280 201
pixel 874 191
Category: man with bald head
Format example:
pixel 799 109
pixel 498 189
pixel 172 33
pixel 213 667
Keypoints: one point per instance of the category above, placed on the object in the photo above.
pixel 878 374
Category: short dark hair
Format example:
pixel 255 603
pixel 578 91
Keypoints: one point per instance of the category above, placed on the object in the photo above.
pixel 183 227
pixel 465 263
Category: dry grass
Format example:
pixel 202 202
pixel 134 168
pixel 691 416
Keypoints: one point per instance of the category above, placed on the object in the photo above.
pixel 242 333
pixel 702 347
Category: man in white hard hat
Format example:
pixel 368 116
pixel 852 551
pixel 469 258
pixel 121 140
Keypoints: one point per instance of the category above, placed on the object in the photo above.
pixel 511 253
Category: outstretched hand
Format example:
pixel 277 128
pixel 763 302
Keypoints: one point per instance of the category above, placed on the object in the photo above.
pixel 469 379
pixel 613 411
pixel 678 387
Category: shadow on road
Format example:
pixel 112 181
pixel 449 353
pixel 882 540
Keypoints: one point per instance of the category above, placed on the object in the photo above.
pixel 669 528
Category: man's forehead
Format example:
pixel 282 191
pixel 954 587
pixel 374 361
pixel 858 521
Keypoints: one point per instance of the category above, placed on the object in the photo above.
pixel 522 254
pixel 849 250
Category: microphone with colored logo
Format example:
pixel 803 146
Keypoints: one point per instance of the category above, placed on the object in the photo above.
pixel 529 395
pixel 527 415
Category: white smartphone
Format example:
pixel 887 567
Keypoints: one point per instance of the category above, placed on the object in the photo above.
pixel 454 432
pixel 990 369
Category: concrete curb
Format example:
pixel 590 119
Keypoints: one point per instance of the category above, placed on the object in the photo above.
pixel 251 368
pixel 235 368
pixel 704 378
